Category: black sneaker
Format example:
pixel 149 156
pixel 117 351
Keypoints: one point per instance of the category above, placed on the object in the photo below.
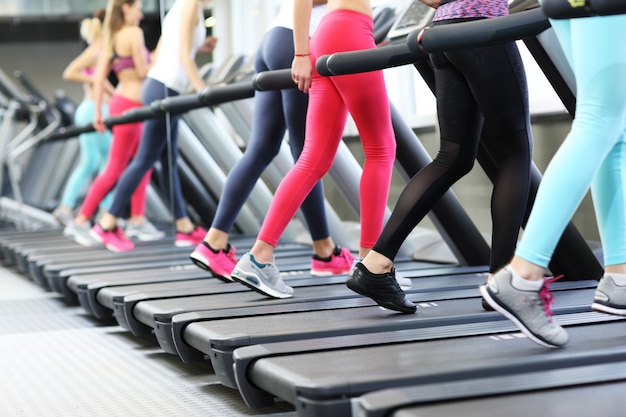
pixel 382 288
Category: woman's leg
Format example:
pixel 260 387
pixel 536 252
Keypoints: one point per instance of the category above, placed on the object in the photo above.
pixel 592 150
pixel 122 149
pixel 89 158
pixel 151 145
pixel 460 123
pixel 497 80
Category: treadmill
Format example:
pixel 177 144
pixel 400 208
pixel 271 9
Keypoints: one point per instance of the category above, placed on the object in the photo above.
pixel 325 376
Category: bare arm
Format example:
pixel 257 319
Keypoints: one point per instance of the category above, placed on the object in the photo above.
pixel 301 68
pixel 189 20
pixel 138 51
pixel 75 69
pixel 99 81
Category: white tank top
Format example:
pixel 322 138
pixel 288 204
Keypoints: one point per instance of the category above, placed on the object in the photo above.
pixel 285 16
pixel 167 69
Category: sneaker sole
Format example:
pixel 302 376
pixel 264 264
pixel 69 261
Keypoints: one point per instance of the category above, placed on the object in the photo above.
pixel 261 288
pixel 608 310
pixel 83 242
pixel 359 290
pixel 506 313
pixel 203 263
pixel 184 244
pixel 147 238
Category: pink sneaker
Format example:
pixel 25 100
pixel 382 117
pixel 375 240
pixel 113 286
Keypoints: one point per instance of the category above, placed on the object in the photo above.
pixel 220 263
pixel 114 240
pixel 190 239
pixel 340 262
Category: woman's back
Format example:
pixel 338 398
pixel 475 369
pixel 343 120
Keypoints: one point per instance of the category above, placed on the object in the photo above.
pixel 130 61
pixel 362 6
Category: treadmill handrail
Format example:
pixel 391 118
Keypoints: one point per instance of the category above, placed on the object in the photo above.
pixel 420 42
pixel 352 62
pixel 209 96
pixel 476 33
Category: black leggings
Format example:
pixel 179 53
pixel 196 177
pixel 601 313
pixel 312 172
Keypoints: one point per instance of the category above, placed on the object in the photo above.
pixel 474 86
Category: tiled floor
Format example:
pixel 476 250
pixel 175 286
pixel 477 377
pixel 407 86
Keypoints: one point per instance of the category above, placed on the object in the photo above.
pixel 55 360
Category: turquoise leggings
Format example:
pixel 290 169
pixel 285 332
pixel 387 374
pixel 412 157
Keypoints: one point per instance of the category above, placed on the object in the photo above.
pixel 94 151
pixel 594 152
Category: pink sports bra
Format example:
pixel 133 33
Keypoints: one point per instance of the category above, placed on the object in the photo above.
pixel 120 63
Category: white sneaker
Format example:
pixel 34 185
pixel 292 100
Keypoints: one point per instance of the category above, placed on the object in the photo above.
pixel 80 234
pixel 264 279
pixel 145 231
pixel 63 215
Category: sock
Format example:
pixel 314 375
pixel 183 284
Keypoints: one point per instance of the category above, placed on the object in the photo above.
pixel 620 279
pixel 523 284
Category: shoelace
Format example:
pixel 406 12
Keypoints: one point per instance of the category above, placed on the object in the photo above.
pixel 120 234
pixel 546 296
pixel 230 253
pixel 347 256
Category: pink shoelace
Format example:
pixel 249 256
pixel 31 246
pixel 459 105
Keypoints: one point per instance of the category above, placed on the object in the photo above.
pixel 230 253
pixel 546 296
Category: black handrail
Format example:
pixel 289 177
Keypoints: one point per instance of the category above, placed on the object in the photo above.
pixel 209 96
pixel 564 9
pixel 420 42
pixel 389 56
pixel 525 24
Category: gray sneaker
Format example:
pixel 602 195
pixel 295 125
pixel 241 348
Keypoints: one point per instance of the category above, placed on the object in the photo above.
pixel 529 310
pixel 144 231
pixel 63 215
pixel 609 297
pixel 264 279
pixel 80 234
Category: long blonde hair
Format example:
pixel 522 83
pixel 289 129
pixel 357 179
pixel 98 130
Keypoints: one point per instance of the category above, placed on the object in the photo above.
pixel 91 27
pixel 113 22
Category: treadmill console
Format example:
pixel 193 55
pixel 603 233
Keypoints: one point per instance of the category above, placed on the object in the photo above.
pixel 415 16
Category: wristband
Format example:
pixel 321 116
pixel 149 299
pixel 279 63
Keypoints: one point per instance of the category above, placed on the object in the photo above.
pixel 301 55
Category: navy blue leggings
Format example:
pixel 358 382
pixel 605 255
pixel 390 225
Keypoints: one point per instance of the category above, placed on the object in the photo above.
pixel 274 112
pixel 474 85
pixel 152 148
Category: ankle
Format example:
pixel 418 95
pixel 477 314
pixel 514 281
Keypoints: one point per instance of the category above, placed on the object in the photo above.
pixel 522 283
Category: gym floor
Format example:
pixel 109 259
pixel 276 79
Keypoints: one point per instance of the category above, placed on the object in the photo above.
pixel 55 360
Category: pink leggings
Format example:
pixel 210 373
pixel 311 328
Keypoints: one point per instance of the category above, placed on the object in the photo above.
pixel 330 99
pixel 123 147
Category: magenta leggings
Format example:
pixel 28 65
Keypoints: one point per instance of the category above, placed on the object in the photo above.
pixel 330 99
pixel 123 147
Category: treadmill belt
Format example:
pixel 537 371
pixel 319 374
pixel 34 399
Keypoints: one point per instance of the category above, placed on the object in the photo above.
pixel 602 395
pixel 320 377
pixel 219 338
